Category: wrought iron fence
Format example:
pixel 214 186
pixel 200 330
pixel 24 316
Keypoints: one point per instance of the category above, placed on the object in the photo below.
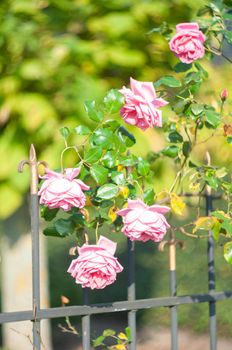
pixel 131 305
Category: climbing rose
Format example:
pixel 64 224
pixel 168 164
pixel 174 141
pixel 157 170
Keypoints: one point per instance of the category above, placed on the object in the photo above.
pixel 96 267
pixel 62 190
pixel 187 44
pixel 141 105
pixel 143 223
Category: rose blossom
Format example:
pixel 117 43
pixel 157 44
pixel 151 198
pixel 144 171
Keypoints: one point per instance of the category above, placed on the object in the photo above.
pixel 187 44
pixel 96 267
pixel 62 190
pixel 141 105
pixel 143 223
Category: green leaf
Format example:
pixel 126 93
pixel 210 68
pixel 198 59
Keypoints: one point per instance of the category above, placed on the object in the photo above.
pixel 107 191
pixel 149 196
pixel 182 67
pixel 82 130
pixel 99 173
pixel 194 77
pixel 109 160
pixel 48 214
pixel 212 117
pixel 227 35
pixel 113 101
pixel 170 151
pixel 143 166
pixel 168 80
pixel 93 155
pixel 186 149
pixel 201 69
pixel 216 230
pixel 228 252
pixel 129 160
pixel 108 333
pixel 229 140
pixel 197 108
pixel 127 137
pixel 51 231
pixel 103 138
pixel 128 333
pixel 212 181
pixel 98 341
pixel 64 227
pixel 65 132
pixel 118 177
pixel 93 113
pixel 175 137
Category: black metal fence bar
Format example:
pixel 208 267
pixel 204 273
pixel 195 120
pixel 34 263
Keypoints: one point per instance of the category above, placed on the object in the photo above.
pixel 34 214
pixel 86 323
pixel 131 291
pixel 211 277
pixel 173 290
pixel 117 306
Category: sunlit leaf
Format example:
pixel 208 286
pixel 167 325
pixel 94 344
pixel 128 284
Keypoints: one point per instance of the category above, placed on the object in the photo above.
pixel 228 252
pixel 177 204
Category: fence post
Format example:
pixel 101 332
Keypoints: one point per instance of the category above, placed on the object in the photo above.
pixel 34 204
pixel 211 269
pixel 86 322
pixel 131 291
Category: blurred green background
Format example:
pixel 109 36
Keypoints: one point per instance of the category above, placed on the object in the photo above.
pixel 55 54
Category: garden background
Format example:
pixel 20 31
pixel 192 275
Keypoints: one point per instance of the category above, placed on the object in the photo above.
pixel 55 54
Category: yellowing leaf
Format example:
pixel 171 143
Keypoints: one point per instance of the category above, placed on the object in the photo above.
pixel 177 204
pixel 124 191
pixel 205 223
pixel 85 213
pixel 120 347
pixel 120 167
pixel 122 336
pixel 163 196
pixel 112 213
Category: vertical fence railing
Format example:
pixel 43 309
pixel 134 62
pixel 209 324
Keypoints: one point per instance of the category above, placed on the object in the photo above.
pixel 211 276
pixel 131 293
pixel 173 291
pixel 86 322
pixel 34 214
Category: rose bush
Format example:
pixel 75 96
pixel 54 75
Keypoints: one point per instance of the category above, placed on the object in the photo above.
pixel 117 177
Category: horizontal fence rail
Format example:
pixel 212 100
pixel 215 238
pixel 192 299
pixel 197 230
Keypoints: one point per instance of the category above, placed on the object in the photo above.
pixel 131 305
pixel 118 306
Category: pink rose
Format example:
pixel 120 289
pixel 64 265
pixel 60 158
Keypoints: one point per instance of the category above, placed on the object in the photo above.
pixel 96 267
pixel 187 44
pixel 141 105
pixel 143 223
pixel 62 190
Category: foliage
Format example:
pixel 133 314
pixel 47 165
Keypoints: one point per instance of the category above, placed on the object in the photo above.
pixel 115 174
pixel 55 55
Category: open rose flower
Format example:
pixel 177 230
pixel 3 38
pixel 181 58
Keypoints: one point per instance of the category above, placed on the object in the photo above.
pixel 96 266
pixel 143 222
pixel 62 190
pixel 142 105
pixel 187 44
